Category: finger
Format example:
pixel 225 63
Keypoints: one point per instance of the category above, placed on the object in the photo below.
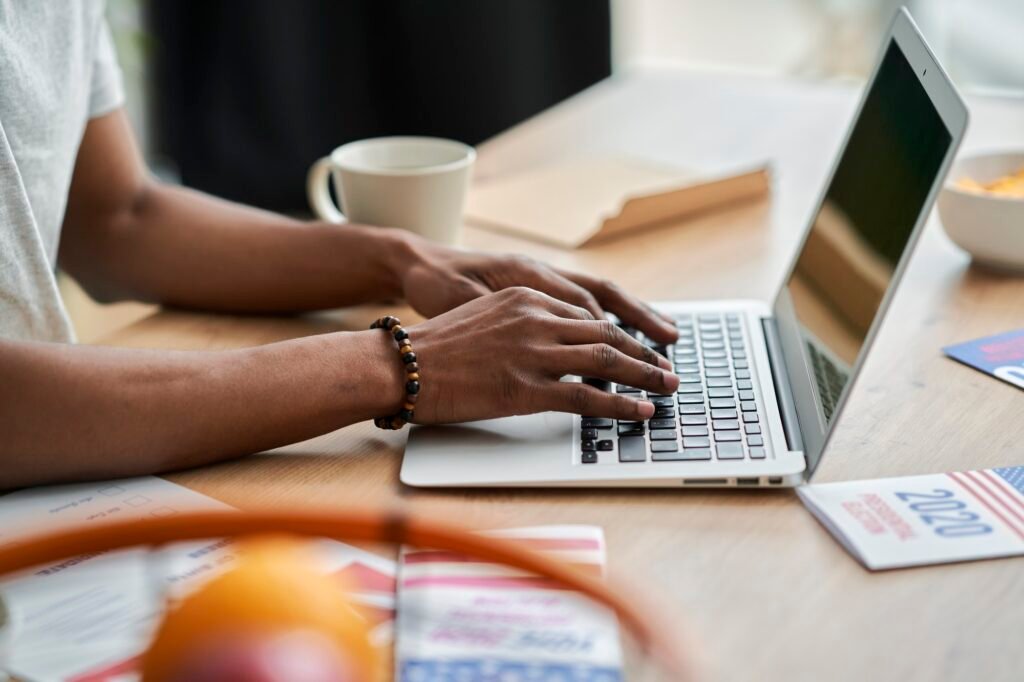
pixel 601 361
pixel 543 278
pixel 604 331
pixel 628 308
pixel 582 399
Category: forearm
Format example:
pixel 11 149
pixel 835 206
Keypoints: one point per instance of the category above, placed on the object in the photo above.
pixel 71 413
pixel 180 247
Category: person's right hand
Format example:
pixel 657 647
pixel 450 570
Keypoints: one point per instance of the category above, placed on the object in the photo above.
pixel 503 354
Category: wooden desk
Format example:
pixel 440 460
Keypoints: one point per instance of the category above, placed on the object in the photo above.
pixel 768 591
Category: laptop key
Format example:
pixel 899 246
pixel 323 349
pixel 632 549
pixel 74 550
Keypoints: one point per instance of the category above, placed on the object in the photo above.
pixel 605 445
pixel 757 453
pixel 626 389
pixel 755 441
pixel 750 417
pixel 599 384
pixel 712 345
pixel 744 384
pixel 723 414
pixel 695 431
pixel 637 430
pixel 683 362
pixel 739 354
pixel 716 372
pixel 752 428
pixel 716 363
pixel 664 446
pixel 740 364
pixel 714 354
pixel 691 399
pixel 726 425
pixel 690 388
pixel 665 413
pixel 727 436
pixel 661 401
pixel 696 442
pixel 663 434
pixel 688 370
pixel 596 423
pixel 632 449
pixel 742 374
pixel 589 458
pixel 588 446
pixel 717 403
pixel 662 424
pixel 720 382
pixel 746 395
pixel 720 393
pixel 748 406
pixel 689 379
pixel 729 450
pixel 588 434
pixel 691 409
pixel 692 419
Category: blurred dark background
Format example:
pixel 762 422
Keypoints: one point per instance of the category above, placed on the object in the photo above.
pixel 245 96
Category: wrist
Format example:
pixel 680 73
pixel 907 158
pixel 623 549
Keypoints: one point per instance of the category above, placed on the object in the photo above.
pixel 383 375
pixel 399 250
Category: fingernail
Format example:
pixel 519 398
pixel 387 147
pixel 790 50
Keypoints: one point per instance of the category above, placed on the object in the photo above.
pixel 644 409
pixel 671 381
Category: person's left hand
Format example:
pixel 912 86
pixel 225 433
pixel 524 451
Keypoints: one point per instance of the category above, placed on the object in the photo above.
pixel 441 278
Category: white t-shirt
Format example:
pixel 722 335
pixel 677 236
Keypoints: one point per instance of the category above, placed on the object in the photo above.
pixel 58 69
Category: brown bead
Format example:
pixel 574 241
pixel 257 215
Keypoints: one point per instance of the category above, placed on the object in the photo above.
pixel 405 349
pixel 397 423
pixel 409 406
pixel 413 375
pixel 412 367
pixel 412 398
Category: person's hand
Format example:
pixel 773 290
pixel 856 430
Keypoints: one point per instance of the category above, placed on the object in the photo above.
pixel 503 354
pixel 436 279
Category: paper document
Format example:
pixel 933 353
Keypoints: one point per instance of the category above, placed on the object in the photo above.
pixel 1000 356
pixel 88 619
pixel 917 520
pixel 463 619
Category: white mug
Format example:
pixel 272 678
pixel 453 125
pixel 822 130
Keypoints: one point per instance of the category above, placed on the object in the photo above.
pixel 416 183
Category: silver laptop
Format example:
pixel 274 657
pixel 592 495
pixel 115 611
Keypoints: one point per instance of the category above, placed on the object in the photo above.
pixel 762 385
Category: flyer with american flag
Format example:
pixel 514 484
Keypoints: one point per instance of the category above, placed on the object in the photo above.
pixel 919 520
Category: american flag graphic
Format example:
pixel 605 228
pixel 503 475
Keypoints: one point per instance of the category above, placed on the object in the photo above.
pixel 1001 491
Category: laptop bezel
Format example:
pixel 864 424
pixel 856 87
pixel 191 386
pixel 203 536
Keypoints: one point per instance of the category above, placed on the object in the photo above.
pixel 951 108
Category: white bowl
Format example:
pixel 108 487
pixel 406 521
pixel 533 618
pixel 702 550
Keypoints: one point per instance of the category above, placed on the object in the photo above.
pixel 989 227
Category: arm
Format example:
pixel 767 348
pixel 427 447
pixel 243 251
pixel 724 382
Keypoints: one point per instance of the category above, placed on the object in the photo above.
pixel 80 412
pixel 128 236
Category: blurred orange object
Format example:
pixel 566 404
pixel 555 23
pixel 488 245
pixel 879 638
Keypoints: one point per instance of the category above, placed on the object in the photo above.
pixel 272 617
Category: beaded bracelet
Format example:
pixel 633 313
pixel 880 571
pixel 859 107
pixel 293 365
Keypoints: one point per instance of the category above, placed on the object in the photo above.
pixel 393 326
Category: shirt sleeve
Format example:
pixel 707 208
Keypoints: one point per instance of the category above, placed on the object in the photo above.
pixel 106 90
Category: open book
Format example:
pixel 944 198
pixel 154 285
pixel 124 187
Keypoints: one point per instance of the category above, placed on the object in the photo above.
pixel 577 202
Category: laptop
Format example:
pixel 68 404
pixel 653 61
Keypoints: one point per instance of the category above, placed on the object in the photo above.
pixel 762 385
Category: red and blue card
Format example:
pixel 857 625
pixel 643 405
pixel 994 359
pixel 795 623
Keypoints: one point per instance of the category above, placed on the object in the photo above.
pixel 1001 356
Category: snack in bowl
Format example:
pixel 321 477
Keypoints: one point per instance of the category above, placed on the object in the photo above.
pixel 982 208
pixel 1006 186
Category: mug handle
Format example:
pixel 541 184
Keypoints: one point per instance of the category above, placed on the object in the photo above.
pixel 319 194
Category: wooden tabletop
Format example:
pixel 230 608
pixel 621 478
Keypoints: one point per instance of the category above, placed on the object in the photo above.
pixel 767 591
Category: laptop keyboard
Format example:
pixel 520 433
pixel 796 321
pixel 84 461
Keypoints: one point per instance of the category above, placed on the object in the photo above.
pixel 714 415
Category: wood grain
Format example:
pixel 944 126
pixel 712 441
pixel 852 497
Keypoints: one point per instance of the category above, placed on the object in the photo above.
pixel 769 593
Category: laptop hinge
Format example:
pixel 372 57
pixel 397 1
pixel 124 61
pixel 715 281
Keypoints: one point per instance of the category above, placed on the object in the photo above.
pixel 787 408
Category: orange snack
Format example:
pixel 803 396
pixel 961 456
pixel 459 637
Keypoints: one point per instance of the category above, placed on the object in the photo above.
pixel 1007 186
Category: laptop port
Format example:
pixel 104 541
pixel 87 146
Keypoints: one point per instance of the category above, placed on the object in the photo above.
pixel 747 481
pixel 705 481
pixel 775 480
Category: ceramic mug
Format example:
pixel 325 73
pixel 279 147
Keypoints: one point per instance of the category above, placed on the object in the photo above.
pixel 416 183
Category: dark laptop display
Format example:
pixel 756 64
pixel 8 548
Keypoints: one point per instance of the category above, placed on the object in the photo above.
pixel 862 228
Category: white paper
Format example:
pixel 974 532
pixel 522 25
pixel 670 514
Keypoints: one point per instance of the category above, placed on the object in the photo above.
pixel 87 619
pixel 917 520
pixel 463 619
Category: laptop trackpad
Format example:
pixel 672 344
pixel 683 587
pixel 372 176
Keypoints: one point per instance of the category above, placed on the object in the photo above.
pixel 490 452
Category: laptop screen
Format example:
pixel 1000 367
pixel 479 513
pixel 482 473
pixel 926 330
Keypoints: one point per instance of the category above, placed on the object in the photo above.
pixel 874 200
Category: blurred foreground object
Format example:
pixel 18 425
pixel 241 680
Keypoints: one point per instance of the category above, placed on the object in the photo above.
pixel 271 618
